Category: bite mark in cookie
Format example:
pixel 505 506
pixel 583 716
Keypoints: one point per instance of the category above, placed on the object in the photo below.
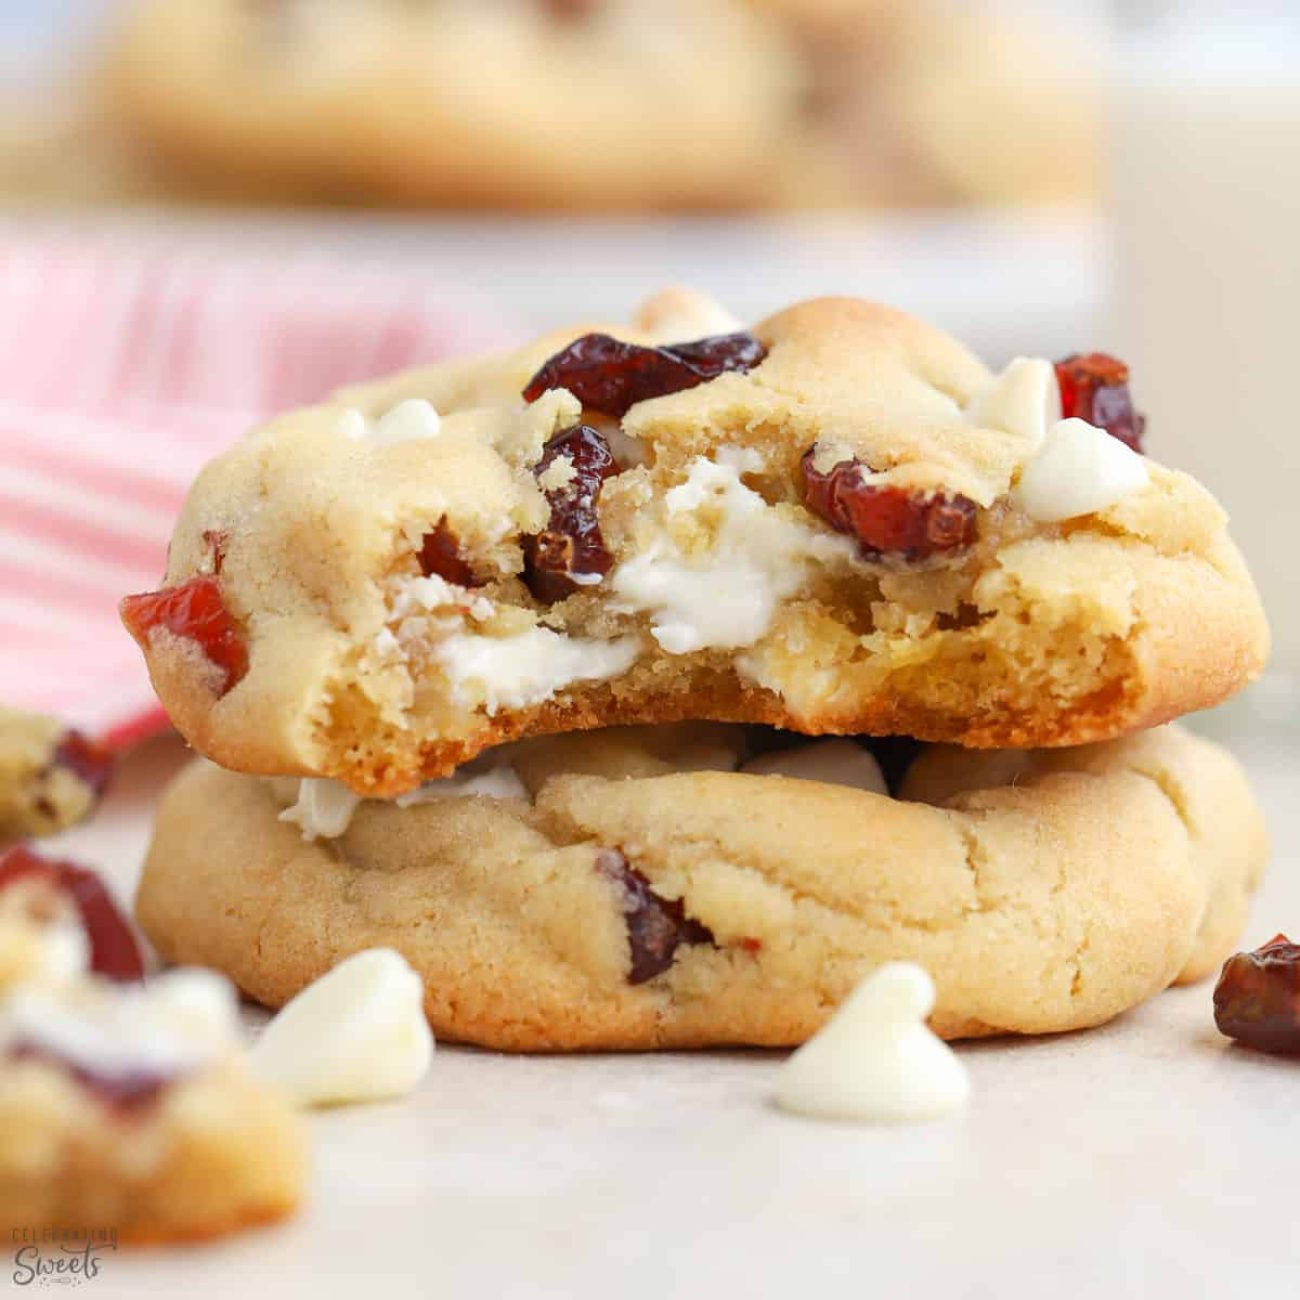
pixel 862 530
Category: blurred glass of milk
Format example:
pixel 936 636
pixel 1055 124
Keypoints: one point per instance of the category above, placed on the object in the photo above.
pixel 1205 147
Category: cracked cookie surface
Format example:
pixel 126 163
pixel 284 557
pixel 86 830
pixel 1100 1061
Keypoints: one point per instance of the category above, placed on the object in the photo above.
pixel 628 889
pixel 842 523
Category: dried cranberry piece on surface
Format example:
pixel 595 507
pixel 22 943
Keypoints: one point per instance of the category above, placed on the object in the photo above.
pixel 1257 998
pixel 609 376
pixel 1094 387
pixel 115 951
pixel 194 610
pixel 90 762
pixel 888 520
pixel 440 557
pixel 571 543
pixel 128 1091
pixel 656 927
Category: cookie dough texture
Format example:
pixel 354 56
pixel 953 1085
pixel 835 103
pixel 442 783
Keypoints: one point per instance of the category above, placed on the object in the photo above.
pixel 216 1153
pixel 460 103
pixel 1043 892
pixel 1037 635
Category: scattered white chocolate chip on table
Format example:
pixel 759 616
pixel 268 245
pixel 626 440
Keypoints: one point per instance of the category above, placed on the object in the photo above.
pixel 876 1059
pixel 357 1034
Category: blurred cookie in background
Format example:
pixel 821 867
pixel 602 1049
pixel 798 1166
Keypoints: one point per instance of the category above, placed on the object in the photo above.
pixel 942 102
pixel 51 777
pixel 564 105
pixel 554 104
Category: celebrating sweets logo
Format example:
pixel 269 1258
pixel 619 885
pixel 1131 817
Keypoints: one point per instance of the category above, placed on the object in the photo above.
pixel 60 1256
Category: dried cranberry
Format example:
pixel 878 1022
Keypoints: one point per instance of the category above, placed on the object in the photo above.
pixel 90 762
pixel 127 1091
pixel 572 542
pixel 114 950
pixel 1094 387
pixel 888 520
pixel 440 557
pixel 195 611
pixel 1257 998
pixel 656 927
pixel 608 375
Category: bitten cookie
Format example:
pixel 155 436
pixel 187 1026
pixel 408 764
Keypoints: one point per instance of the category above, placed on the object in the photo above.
pixel 50 776
pixel 840 523
pixel 626 889
pixel 124 1105
pixel 565 104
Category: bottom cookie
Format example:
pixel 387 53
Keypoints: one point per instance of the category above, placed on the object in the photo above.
pixel 630 889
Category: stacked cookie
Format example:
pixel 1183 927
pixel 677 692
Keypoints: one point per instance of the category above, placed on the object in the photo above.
pixel 528 666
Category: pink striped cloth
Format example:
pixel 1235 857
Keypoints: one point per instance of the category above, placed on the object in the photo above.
pixel 121 372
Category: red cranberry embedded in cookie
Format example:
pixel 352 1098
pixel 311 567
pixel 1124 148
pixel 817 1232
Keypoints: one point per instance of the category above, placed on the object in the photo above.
pixel 196 612
pixel 656 927
pixel 125 1092
pixel 440 557
pixel 115 951
pixel 888 520
pixel 1094 387
pixel 90 762
pixel 609 376
pixel 571 544
pixel 1257 998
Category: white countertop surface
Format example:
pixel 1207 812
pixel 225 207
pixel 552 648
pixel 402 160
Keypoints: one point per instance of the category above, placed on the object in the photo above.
pixel 1146 1158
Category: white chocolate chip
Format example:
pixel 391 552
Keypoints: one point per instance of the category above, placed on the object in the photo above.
pixel 876 1059
pixel 351 424
pixel 1079 470
pixel 835 762
pixel 408 421
pixel 324 808
pixel 513 672
pixel 1025 399
pixel 498 782
pixel 356 1034
pixel 726 594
